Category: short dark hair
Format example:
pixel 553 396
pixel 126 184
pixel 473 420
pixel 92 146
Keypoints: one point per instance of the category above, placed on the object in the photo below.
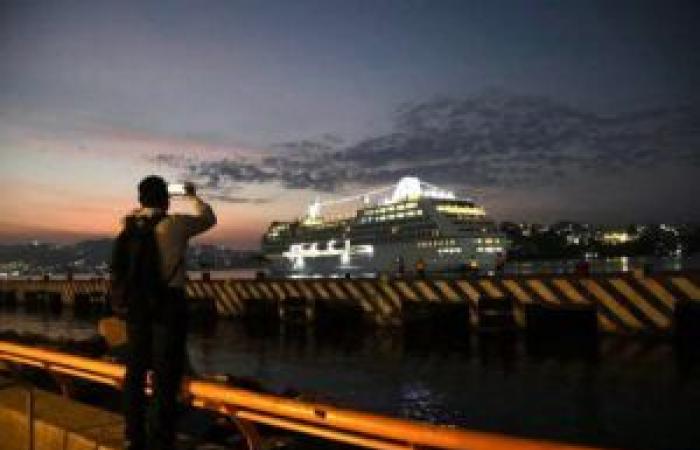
pixel 153 192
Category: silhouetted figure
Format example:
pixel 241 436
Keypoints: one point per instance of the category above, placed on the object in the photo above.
pixel 583 267
pixel 148 289
pixel 420 268
pixel 500 264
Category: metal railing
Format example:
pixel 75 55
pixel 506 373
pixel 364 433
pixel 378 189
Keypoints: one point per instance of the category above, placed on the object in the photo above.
pixel 246 408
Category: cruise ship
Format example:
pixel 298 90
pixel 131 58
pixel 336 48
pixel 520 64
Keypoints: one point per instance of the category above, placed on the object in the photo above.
pixel 414 227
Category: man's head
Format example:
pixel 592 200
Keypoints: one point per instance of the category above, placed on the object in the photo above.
pixel 153 192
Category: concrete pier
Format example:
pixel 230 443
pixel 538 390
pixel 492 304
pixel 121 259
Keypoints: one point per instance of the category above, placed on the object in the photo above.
pixel 56 423
pixel 625 303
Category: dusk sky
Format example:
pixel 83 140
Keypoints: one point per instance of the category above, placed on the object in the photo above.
pixel 540 110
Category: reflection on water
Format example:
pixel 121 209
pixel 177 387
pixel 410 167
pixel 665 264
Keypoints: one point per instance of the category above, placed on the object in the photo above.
pixel 617 392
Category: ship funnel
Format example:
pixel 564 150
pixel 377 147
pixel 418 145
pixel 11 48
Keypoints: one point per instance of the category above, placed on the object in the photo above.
pixel 413 188
pixel 406 188
pixel 314 211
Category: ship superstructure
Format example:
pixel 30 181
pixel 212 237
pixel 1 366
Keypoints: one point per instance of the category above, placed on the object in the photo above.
pixel 418 226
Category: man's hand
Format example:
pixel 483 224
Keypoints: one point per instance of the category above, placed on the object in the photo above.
pixel 190 189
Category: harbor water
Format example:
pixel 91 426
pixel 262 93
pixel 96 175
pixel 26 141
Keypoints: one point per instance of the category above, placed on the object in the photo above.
pixel 622 392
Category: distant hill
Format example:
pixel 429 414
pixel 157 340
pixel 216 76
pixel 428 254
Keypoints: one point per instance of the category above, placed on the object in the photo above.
pixel 53 257
pixel 94 255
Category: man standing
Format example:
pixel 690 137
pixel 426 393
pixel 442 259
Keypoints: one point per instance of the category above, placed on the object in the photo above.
pixel 149 274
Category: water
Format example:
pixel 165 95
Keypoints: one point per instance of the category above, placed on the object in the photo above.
pixel 618 392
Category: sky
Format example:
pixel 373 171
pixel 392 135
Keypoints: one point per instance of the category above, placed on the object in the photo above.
pixel 541 110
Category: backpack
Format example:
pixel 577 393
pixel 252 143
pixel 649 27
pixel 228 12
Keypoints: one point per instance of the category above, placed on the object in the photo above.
pixel 137 281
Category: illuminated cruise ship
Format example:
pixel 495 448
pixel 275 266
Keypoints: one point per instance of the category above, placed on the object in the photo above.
pixel 417 226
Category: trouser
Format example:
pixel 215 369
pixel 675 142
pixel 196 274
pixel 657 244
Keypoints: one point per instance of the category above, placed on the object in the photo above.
pixel 157 337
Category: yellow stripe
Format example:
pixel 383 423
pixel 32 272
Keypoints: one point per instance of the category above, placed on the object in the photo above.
pixel 265 288
pixel 291 289
pixel 220 300
pixel 519 315
pixel 543 291
pixel 447 291
pixel 222 307
pixel 428 293
pixel 339 294
pixel 228 290
pixel 376 298
pixel 278 291
pixel 350 286
pixel 203 289
pixel 208 290
pixel 232 294
pixel 229 299
pixel 517 291
pixel 491 289
pixel 386 287
pixel 607 300
pixel 659 291
pixel 305 290
pixel 687 287
pixel 196 290
pixel 321 290
pixel 254 290
pixel 371 291
pixel 569 291
pixel 216 291
pixel 406 291
pixel 605 324
pixel 625 289
pixel 240 288
pixel 467 288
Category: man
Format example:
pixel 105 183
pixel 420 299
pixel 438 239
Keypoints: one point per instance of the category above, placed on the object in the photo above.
pixel 157 323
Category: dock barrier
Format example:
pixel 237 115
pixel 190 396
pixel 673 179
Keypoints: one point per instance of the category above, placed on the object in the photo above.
pixel 617 303
pixel 248 409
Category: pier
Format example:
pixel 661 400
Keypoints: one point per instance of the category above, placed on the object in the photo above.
pixel 629 303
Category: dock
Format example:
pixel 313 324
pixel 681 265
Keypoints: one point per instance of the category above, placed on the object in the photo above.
pixel 624 303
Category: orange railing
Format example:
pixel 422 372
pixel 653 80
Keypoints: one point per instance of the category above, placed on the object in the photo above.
pixel 247 408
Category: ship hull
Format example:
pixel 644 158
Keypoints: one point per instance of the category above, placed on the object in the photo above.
pixel 384 259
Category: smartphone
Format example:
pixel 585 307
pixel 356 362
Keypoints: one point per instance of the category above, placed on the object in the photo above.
pixel 176 189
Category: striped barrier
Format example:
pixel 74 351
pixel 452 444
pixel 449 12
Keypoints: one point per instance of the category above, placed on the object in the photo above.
pixel 622 303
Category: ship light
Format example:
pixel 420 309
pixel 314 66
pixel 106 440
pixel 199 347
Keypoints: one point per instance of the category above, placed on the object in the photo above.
pixel 461 210
pixel 365 249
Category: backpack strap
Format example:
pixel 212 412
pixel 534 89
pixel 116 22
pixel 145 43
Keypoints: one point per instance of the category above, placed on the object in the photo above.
pixel 180 262
pixel 174 271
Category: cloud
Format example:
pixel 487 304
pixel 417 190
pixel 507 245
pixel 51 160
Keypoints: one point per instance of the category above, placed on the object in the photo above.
pixel 236 199
pixel 495 139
